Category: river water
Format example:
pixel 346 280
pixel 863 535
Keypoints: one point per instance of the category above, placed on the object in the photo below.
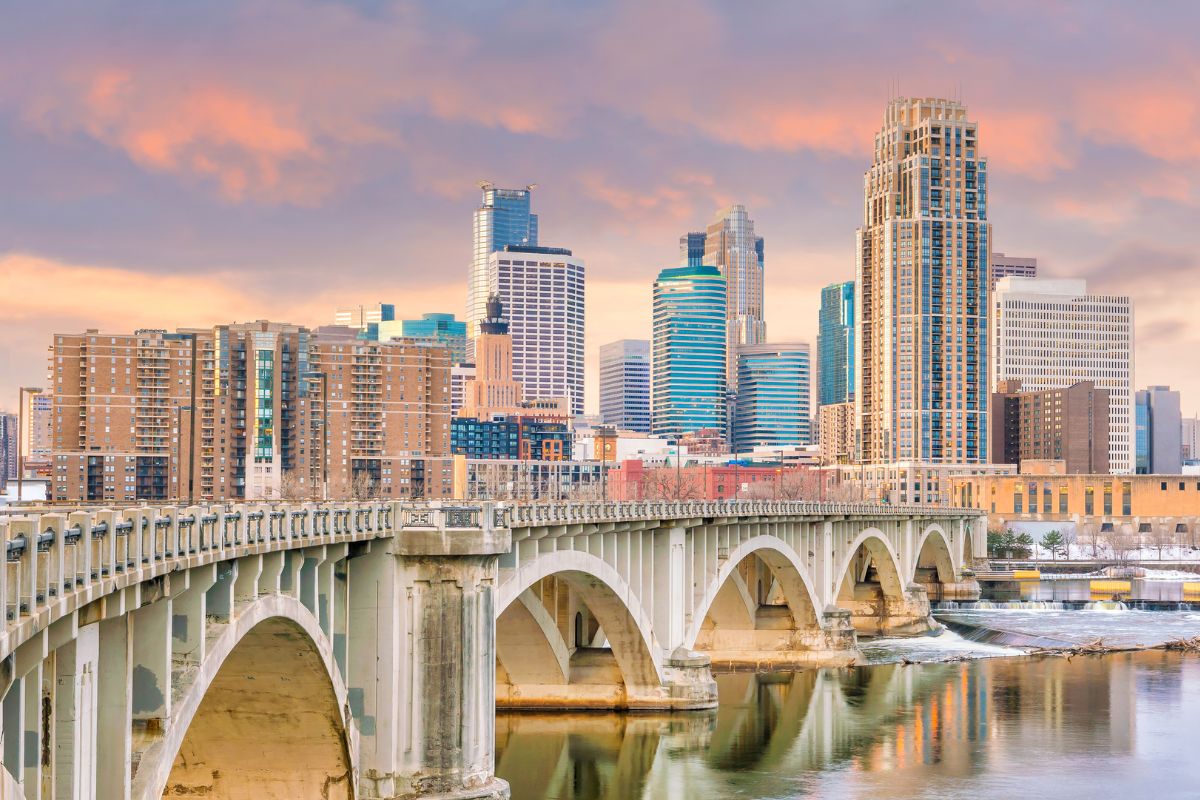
pixel 1001 726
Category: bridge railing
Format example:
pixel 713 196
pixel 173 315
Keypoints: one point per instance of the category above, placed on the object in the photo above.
pixel 535 514
pixel 52 557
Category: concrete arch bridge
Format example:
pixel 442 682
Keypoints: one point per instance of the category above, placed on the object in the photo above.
pixel 359 650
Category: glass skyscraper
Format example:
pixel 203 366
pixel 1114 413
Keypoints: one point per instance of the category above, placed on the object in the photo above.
pixel 921 386
pixel 772 407
pixel 688 359
pixel 835 345
pixel 503 218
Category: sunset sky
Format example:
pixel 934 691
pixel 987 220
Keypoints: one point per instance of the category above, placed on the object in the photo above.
pixel 169 164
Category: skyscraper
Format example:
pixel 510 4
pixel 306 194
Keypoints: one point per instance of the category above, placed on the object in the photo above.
pixel 835 345
pixel 773 397
pixel 688 364
pixel 503 218
pixel 625 384
pixel 1050 334
pixel 542 290
pixel 1159 434
pixel 922 262
pixel 731 246
pixel 1010 267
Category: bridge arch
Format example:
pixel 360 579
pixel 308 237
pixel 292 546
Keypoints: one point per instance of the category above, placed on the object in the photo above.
pixel 933 551
pixel 880 551
pixel 609 600
pixel 266 716
pixel 785 566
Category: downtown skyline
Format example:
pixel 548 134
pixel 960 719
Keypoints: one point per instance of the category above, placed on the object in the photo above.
pixel 240 199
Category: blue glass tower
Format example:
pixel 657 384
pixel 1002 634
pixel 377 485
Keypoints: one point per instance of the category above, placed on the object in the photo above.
pixel 835 345
pixel 688 351
pixel 503 218
pixel 773 396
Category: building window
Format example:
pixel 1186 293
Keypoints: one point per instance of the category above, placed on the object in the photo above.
pixel 1126 498
pixel 1108 499
pixel 1062 500
pixel 1089 501
pixel 1018 503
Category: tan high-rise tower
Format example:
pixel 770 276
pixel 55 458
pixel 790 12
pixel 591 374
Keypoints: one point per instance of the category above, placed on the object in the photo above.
pixel 493 390
pixel 922 273
pixel 731 246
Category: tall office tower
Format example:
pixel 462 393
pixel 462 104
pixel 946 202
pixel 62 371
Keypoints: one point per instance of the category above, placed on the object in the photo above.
pixel 503 218
pixel 922 261
pixel 835 345
pixel 691 249
pixel 1068 425
pixel 1190 440
pixel 9 446
pixel 773 400
pixel 493 390
pixel 1159 431
pixel 442 329
pixel 542 290
pixel 378 419
pixel 1010 267
pixel 731 246
pixel 1050 334
pixel 688 364
pixel 625 384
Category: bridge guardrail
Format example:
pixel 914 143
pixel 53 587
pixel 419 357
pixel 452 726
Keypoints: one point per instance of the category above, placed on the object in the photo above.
pixel 535 514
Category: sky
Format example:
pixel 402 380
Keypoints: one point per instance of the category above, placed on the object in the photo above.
pixel 194 163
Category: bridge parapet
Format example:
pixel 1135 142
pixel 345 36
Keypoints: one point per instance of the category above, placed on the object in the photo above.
pixel 539 514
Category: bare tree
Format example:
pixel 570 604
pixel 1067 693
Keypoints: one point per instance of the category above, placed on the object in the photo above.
pixel 666 483
pixel 292 487
pixel 1121 542
pixel 363 487
pixel 1162 535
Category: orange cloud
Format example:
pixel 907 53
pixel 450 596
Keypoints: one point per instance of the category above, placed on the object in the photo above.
pixel 1028 142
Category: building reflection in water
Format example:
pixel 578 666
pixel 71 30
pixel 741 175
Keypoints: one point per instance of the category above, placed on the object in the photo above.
pixel 889 730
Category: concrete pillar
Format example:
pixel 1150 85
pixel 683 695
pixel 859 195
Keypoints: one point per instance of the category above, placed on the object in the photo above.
pixel 75 711
pixel 152 665
pixel 423 606
pixel 114 707
pixel 669 589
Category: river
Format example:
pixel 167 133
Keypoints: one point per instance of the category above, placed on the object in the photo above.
pixel 1000 726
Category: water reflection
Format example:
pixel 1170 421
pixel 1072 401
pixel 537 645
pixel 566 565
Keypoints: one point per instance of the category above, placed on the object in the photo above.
pixel 976 729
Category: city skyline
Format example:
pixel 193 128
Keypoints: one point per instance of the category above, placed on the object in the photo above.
pixel 241 199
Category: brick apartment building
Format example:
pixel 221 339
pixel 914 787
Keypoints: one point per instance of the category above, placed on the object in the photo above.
pixel 250 411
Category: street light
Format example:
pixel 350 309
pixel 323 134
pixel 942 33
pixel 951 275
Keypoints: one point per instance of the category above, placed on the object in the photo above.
pixel 24 390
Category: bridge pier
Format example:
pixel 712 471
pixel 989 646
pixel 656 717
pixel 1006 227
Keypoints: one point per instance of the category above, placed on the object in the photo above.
pixel 422 665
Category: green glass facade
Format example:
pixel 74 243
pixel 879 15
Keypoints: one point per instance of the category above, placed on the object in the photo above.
pixel 688 351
